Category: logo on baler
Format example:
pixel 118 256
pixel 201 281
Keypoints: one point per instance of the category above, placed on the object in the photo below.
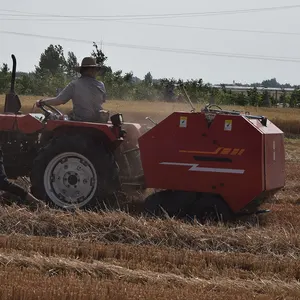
pixel 220 151
pixel 196 168
pixel 210 156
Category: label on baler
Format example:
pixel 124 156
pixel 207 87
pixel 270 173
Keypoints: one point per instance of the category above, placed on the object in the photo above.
pixel 183 122
pixel 228 125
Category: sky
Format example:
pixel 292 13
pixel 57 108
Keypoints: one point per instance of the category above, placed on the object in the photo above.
pixel 114 34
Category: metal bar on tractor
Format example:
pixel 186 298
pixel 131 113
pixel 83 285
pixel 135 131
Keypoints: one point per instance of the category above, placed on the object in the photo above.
pixel 131 150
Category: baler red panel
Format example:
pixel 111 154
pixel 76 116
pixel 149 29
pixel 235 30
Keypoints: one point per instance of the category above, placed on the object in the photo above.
pixel 274 155
pixel 186 154
pixel 24 123
pixel 275 158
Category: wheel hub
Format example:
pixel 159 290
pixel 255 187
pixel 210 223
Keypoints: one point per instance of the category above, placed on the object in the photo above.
pixel 70 179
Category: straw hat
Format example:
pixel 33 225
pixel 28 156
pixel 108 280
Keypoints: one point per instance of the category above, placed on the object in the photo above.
pixel 88 62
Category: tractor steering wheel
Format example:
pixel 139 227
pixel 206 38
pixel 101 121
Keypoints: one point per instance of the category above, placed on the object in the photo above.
pixel 49 113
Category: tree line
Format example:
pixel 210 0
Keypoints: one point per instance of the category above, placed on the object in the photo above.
pixel 55 71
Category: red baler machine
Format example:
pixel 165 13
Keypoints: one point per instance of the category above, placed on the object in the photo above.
pixel 236 158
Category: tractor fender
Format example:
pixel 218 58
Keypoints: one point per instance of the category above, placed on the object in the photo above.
pixel 105 136
pixel 53 125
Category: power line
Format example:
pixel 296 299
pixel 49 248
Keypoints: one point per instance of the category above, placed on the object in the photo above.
pixel 85 18
pixel 173 26
pixel 213 28
pixel 150 16
pixel 170 50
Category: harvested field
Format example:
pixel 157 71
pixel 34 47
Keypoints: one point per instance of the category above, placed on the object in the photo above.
pixel 51 254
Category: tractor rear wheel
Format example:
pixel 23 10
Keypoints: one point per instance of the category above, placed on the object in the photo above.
pixel 73 171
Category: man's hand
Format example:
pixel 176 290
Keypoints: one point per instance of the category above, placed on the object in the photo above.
pixel 39 102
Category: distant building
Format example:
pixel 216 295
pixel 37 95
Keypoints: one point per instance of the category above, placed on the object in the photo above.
pixel 273 91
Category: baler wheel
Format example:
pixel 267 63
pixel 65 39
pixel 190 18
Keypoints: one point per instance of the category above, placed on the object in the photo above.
pixel 188 205
pixel 73 171
pixel 168 202
pixel 211 207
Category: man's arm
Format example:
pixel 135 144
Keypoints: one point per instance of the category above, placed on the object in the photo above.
pixel 63 97
pixel 103 90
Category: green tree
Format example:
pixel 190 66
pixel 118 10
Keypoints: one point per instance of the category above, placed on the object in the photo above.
pixel 241 99
pixel 253 97
pixel 71 63
pixel 270 83
pixel 266 99
pixel 128 77
pixel 4 69
pixel 101 59
pixel 98 55
pixel 295 98
pixel 4 78
pixel 26 84
pixel 283 98
pixel 148 79
pixel 52 61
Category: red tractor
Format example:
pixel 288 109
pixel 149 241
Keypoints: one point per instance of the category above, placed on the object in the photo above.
pixel 69 163
pixel 207 163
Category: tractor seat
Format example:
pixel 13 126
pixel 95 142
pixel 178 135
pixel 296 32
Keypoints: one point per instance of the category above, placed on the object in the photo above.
pixel 102 117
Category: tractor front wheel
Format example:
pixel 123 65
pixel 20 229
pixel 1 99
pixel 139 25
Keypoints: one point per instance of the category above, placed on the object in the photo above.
pixel 74 172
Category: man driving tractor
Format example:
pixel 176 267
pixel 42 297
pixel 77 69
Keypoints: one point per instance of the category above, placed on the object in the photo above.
pixel 87 93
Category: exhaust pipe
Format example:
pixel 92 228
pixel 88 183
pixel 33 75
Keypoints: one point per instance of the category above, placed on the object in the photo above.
pixel 12 101
pixel 13 75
